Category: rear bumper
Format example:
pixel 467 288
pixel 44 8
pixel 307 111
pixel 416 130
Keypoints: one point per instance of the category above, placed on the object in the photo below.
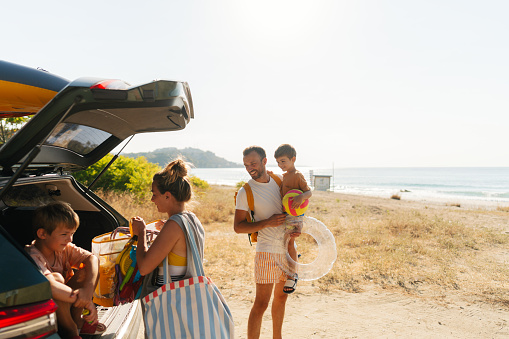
pixel 122 322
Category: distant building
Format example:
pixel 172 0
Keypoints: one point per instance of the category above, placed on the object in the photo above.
pixel 320 182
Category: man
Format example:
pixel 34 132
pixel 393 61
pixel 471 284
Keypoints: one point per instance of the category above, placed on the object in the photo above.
pixel 267 217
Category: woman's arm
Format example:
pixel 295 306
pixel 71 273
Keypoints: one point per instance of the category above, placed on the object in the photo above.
pixel 149 258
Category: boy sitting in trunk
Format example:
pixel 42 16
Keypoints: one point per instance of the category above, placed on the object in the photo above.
pixel 56 256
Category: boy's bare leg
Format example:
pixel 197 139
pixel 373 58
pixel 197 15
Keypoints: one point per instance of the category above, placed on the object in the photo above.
pixel 278 310
pixel 67 327
pixel 77 282
pixel 262 298
pixel 291 266
pixel 293 252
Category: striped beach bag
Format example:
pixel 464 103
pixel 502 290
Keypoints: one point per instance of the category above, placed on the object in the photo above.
pixel 190 308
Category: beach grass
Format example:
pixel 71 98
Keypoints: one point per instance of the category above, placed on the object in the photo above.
pixel 419 248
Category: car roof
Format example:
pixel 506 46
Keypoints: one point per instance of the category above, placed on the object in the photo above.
pixel 25 90
pixel 90 116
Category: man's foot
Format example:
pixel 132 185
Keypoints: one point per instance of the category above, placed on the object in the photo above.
pixel 290 285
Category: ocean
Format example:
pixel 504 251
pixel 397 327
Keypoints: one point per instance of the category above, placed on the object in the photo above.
pixel 450 184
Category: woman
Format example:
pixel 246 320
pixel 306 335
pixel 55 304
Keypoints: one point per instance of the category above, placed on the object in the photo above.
pixel 171 190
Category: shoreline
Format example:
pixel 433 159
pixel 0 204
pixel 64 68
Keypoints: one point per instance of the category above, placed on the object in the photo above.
pixel 462 201
pixel 473 187
pixel 466 202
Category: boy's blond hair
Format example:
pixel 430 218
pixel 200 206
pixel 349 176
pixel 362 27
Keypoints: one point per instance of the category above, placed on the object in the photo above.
pixel 285 150
pixel 55 214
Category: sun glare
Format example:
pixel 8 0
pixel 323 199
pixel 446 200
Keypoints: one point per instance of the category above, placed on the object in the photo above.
pixel 274 21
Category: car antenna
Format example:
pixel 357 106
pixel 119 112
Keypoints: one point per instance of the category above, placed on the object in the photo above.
pixel 109 164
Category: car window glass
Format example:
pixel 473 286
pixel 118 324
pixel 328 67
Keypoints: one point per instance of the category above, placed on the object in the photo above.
pixel 78 138
pixel 26 196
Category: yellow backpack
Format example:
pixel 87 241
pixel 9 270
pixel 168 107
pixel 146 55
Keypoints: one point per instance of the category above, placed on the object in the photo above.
pixel 253 237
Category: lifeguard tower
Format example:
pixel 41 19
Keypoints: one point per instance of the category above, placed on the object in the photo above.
pixel 321 182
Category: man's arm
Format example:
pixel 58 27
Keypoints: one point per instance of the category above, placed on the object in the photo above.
pixel 241 225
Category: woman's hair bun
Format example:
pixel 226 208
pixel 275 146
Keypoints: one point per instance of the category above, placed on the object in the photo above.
pixel 174 179
pixel 176 169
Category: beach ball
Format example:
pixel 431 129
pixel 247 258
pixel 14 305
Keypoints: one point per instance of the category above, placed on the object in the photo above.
pixel 288 200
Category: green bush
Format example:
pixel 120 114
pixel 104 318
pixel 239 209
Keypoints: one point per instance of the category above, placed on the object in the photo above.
pixel 125 174
pixel 240 184
pixel 199 183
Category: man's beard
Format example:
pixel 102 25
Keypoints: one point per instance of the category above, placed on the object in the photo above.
pixel 255 175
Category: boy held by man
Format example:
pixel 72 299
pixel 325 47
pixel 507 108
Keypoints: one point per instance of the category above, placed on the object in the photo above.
pixel 58 258
pixel 292 179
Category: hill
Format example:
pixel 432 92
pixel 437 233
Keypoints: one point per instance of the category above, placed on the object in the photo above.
pixel 199 158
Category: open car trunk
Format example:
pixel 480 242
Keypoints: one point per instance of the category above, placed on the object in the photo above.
pixel 96 218
pixel 82 123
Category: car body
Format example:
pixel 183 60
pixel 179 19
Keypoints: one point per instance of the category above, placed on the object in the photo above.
pixel 82 123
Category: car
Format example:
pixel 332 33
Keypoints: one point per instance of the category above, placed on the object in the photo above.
pixel 85 120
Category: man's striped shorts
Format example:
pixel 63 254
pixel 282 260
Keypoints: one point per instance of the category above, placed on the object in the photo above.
pixel 266 269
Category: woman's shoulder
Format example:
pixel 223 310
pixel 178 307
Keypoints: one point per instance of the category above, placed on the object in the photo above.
pixel 189 216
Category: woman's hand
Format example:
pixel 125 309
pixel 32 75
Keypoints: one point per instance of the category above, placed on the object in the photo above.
pixel 159 224
pixel 138 225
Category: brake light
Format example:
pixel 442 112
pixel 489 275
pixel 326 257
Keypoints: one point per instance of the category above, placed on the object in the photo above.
pixel 29 321
pixel 110 84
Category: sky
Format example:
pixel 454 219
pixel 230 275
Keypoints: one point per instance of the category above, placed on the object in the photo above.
pixel 392 83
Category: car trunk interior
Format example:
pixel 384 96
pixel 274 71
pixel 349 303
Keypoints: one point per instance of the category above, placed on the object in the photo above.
pixel 19 205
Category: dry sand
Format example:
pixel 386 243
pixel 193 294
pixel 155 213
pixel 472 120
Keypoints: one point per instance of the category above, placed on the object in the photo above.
pixel 379 313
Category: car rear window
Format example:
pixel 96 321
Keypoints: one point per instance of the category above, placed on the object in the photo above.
pixel 78 138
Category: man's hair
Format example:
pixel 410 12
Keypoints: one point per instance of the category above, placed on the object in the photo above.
pixel 55 214
pixel 260 151
pixel 285 150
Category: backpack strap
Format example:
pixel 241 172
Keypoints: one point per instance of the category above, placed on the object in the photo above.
pixel 250 201
pixel 276 178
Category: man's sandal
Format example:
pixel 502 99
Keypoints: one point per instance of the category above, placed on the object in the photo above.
pixel 290 285
pixel 98 328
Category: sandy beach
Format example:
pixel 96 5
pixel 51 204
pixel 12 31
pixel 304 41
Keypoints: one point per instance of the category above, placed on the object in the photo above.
pixel 374 309
pixel 378 312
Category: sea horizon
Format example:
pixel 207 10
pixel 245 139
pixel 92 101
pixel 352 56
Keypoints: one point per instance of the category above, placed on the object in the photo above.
pixel 482 185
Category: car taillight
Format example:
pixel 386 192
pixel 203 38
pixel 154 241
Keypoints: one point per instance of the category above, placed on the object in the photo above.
pixel 29 321
pixel 110 84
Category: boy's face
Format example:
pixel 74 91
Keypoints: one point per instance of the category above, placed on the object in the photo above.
pixel 58 239
pixel 285 163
